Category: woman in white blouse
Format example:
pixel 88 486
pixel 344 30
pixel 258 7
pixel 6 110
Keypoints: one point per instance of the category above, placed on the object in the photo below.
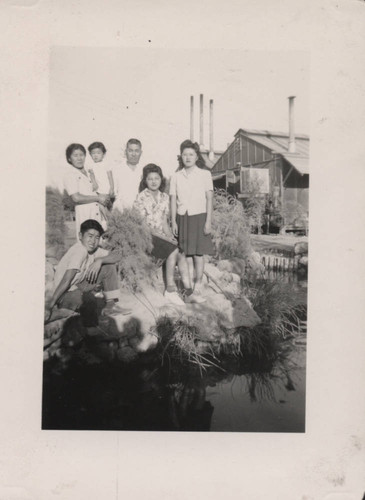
pixel 78 185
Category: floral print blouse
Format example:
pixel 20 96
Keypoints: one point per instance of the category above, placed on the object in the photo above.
pixel 154 211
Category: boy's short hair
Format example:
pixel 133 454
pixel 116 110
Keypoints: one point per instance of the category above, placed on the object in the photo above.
pixel 134 141
pixel 73 147
pixel 98 145
pixel 91 224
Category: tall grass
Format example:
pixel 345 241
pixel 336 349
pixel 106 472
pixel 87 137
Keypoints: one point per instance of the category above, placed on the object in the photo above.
pixel 277 305
pixel 55 221
pixel 182 340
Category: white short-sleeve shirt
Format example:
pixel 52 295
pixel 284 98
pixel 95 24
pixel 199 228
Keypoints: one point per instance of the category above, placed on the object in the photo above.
pixel 78 258
pixel 126 181
pixel 190 190
pixel 77 182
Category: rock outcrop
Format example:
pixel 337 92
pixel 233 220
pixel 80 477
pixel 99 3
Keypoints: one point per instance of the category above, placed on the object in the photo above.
pixel 124 336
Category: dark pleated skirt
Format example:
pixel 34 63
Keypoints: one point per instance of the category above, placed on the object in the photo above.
pixel 192 240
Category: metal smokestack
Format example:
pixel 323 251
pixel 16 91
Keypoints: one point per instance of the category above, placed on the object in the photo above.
pixel 201 120
pixel 192 118
pixel 211 143
pixel 291 148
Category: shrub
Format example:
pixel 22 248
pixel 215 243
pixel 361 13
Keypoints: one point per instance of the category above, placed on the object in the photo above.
pixel 295 213
pixel 254 205
pixel 180 340
pixel 68 205
pixel 276 304
pixel 230 227
pixel 129 235
pixel 55 221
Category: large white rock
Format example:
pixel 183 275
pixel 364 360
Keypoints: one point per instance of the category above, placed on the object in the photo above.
pixel 229 315
pixel 145 310
pixel 224 282
pixel 236 278
pixel 213 272
pixel 234 265
pixel 225 265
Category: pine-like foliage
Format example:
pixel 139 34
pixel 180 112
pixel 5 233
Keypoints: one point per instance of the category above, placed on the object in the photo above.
pixel 68 205
pixel 254 206
pixel 129 235
pixel 55 221
pixel 230 227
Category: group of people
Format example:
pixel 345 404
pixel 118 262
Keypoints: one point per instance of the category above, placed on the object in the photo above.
pixel 180 222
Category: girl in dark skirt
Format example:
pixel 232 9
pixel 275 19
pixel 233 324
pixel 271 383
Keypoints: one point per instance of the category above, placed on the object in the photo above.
pixel 191 199
pixel 153 204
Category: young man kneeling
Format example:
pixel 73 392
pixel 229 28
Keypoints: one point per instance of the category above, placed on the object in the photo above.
pixel 83 269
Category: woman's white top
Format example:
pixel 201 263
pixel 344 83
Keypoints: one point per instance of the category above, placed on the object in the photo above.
pixel 190 190
pixel 77 182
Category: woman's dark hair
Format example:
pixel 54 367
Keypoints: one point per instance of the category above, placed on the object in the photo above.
pixel 151 168
pixel 91 224
pixel 200 163
pixel 95 145
pixel 73 147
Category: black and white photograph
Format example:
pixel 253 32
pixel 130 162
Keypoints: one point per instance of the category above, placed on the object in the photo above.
pixel 177 208
pixel 182 250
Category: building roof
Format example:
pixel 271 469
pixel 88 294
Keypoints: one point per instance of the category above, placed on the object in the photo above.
pixel 210 163
pixel 298 162
pixel 278 143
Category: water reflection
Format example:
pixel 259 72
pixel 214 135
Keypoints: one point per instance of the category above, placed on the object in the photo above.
pixel 175 397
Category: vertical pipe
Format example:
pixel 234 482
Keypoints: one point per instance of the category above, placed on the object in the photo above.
pixel 201 120
pixel 291 125
pixel 282 207
pixel 192 118
pixel 211 143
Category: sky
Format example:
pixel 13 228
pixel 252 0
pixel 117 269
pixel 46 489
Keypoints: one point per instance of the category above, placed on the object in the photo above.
pixel 112 94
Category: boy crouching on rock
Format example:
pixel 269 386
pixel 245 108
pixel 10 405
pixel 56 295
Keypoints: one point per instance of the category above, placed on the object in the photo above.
pixel 83 269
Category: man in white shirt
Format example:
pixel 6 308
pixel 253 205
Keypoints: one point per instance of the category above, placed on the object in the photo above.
pixel 128 176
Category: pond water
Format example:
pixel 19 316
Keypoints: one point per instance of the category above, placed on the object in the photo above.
pixel 242 395
pixel 279 405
